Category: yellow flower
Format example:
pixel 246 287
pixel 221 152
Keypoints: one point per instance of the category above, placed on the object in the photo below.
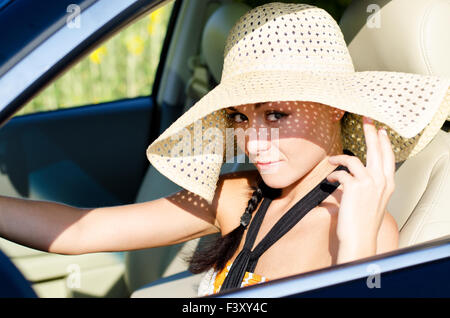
pixel 155 19
pixel 155 16
pixel 150 28
pixel 135 44
pixel 97 55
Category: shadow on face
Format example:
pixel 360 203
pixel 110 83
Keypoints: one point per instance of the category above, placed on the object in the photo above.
pixel 286 139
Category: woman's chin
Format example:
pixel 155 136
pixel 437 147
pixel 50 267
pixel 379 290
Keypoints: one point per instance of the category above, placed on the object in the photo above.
pixel 275 180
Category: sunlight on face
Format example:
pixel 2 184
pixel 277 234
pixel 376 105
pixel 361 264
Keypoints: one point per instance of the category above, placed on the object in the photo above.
pixel 285 139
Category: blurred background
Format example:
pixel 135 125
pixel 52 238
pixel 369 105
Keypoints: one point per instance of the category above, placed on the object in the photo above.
pixel 125 66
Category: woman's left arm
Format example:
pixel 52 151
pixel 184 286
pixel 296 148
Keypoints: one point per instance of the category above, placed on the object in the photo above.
pixel 387 235
pixel 364 227
pixel 386 241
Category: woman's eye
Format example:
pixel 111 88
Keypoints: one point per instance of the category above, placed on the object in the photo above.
pixel 237 117
pixel 274 116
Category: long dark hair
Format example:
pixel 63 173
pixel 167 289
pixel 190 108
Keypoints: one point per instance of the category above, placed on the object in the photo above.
pixel 217 252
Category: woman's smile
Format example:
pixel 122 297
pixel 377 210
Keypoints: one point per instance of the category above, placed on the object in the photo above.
pixel 268 164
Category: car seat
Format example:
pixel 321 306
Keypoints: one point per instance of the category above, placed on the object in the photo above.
pixel 409 36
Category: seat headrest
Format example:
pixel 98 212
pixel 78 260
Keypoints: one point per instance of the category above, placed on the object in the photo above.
pixel 215 34
pixel 409 36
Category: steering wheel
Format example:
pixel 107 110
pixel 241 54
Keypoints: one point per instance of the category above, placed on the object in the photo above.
pixel 12 283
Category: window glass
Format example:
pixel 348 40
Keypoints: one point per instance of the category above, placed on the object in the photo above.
pixel 122 67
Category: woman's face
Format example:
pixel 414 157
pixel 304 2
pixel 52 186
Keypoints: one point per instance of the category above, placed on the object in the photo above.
pixel 285 140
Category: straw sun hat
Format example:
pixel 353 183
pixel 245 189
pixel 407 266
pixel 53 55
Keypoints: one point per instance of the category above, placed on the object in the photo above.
pixel 296 52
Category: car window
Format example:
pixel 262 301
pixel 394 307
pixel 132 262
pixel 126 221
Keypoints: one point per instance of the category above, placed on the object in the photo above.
pixel 122 67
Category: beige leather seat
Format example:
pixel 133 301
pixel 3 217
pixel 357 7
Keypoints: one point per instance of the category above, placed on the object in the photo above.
pixel 409 36
pixel 410 33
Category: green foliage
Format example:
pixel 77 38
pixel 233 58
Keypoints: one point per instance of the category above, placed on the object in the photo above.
pixel 122 67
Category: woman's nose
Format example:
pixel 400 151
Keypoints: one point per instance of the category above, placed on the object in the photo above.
pixel 258 141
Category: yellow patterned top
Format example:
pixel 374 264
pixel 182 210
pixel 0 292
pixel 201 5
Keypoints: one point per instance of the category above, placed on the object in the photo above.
pixel 213 280
pixel 249 278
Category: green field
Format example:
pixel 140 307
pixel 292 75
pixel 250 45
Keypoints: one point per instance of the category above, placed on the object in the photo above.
pixel 122 67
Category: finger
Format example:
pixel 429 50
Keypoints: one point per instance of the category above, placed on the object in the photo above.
pixel 354 165
pixel 374 161
pixel 388 156
pixel 343 177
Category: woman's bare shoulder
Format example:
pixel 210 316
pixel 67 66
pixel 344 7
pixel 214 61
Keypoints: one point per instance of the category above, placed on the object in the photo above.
pixel 232 195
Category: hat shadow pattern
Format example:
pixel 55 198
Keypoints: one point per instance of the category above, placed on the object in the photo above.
pixel 296 52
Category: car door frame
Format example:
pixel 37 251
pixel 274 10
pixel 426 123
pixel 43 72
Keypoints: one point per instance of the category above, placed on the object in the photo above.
pixel 30 73
pixel 406 273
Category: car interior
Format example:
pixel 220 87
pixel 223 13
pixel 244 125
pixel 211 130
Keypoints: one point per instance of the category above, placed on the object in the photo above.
pixel 421 197
pixel 410 40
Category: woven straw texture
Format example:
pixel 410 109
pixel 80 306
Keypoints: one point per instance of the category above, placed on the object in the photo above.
pixel 296 52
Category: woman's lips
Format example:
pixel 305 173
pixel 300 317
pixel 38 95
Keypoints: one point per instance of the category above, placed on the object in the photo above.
pixel 267 164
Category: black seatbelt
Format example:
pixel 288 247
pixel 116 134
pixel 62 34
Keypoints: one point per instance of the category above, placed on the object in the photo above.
pixel 247 259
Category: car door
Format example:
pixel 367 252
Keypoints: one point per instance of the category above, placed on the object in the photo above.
pixel 84 74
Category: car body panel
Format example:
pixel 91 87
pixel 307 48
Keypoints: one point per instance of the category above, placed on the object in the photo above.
pixel 416 271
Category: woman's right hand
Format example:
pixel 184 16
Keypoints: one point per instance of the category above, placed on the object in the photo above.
pixel 366 192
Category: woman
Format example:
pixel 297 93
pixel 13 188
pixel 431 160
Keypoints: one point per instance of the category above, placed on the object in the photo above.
pixel 287 70
pixel 323 179
pixel 345 226
pixel 339 229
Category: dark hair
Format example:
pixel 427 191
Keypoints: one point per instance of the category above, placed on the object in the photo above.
pixel 217 253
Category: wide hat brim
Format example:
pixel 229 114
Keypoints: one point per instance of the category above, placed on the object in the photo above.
pixel 411 107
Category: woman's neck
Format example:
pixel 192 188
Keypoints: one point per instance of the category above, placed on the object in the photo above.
pixel 294 192
pixel 297 190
